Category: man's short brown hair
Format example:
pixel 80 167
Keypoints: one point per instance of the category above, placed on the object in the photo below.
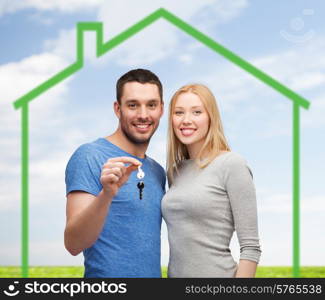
pixel 138 75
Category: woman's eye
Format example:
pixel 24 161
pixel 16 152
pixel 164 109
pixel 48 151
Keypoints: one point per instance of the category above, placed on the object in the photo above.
pixel 178 113
pixel 197 112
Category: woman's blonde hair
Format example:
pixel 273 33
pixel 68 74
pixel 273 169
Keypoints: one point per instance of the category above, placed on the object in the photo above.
pixel 215 138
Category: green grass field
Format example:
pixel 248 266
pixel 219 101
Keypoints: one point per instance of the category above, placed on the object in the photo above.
pixel 62 272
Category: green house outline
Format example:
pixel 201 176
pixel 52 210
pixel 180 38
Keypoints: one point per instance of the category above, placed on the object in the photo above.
pixel 102 48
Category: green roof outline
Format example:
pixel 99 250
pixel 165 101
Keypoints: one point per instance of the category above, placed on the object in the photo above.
pixel 102 48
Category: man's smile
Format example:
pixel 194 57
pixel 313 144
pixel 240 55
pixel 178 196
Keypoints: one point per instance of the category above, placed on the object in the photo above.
pixel 142 127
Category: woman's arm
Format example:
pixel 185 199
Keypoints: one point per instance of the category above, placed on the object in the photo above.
pixel 242 196
pixel 246 268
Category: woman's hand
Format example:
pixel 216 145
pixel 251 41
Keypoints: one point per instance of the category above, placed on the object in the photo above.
pixel 246 268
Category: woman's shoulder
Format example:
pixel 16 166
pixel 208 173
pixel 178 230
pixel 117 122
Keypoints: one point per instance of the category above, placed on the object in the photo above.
pixel 235 164
pixel 230 160
pixel 234 157
pixel 229 157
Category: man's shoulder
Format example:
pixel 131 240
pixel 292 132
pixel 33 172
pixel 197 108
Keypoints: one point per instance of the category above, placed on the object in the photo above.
pixel 86 149
pixel 91 152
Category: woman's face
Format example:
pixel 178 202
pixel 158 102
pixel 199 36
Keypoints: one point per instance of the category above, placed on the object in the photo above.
pixel 190 120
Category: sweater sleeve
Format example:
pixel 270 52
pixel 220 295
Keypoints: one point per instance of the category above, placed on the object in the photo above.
pixel 241 192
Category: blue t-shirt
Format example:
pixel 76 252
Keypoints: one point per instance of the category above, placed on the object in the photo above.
pixel 129 244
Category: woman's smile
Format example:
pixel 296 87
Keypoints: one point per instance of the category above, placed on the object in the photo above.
pixel 187 131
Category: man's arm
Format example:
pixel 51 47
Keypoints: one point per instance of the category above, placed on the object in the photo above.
pixel 86 213
pixel 85 219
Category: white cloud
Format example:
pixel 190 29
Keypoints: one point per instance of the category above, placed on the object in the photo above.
pixel 52 253
pixel 154 43
pixel 40 18
pixel 18 78
pixel 275 228
pixel 164 245
pixel 227 10
pixel 276 203
pixel 160 41
pixel 10 196
pixel 114 11
pixel 64 45
pixel 299 68
pixel 10 254
pixel 11 6
pixel 314 117
pixel 282 203
pixel 308 80
pixel 302 69
pixel 186 59
pixel 27 74
pixel 9 160
pixel 232 91
pixel 147 47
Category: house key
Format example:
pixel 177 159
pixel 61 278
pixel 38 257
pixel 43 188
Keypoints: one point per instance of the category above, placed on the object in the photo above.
pixel 140 184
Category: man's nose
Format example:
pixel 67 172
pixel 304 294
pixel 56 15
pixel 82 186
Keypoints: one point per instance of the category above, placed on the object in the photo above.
pixel 143 112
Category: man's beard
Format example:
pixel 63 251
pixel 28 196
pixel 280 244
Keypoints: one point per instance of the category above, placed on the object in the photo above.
pixel 133 139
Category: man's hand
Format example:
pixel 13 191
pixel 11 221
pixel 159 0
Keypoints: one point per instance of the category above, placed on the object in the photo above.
pixel 115 173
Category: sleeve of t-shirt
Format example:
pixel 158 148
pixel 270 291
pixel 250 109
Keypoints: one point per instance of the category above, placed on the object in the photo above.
pixel 241 191
pixel 83 172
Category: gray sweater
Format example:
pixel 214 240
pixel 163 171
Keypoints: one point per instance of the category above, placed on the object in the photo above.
pixel 202 209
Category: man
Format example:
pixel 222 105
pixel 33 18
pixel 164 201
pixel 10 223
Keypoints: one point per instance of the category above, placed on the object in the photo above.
pixel 118 232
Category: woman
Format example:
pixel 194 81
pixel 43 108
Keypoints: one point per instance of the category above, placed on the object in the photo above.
pixel 211 193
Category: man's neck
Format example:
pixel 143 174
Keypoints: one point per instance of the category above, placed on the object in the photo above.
pixel 121 141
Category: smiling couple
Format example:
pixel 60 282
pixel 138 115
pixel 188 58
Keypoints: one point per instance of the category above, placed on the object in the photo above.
pixel 211 191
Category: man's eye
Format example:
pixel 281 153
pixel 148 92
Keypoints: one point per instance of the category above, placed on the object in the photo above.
pixel 131 105
pixel 153 105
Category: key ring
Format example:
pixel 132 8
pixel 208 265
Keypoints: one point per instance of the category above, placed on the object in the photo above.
pixel 140 173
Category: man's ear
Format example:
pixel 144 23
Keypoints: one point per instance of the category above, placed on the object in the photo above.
pixel 162 108
pixel 117 109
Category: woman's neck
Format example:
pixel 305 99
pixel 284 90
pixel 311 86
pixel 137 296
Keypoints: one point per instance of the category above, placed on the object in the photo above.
pixel 194 150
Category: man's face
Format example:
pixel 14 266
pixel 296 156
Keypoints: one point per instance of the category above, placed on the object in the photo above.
pixel 139 111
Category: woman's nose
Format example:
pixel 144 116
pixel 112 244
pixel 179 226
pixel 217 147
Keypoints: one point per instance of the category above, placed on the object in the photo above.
pixel 186 119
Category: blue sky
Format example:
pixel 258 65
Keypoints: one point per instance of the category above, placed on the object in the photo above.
pixel 286 39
